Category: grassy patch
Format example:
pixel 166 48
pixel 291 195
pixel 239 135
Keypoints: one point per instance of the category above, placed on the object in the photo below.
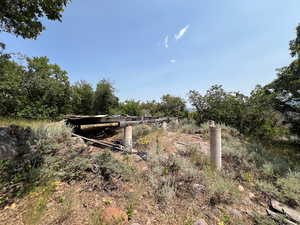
pixel 23 122
pixel 37 203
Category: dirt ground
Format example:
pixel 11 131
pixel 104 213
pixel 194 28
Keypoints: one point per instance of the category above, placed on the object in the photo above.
pixel 79 203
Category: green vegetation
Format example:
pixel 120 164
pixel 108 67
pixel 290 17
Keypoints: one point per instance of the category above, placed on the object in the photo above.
pixel 285 89
pixel 24 17
pixel 260 135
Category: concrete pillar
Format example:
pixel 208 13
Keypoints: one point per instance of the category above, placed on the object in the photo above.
pixel 215 147
pixel 128 138
pixel 164 125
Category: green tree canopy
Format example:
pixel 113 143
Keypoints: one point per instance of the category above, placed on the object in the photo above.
pixel 131 108
pixel 24 17
pixel 82 98
pixel 105 99
pixel 286 88
pixel 36 90
pixel 173 106
pixel 252 115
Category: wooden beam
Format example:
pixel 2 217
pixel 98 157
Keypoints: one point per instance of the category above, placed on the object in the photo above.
pixel 291 213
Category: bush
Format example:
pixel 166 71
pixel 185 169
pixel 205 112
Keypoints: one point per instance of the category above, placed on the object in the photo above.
pixel 188 126
pixel 171 176
pixel 108 167
pixel 33 166
pixel 289 188
pixel 219 188
pixel 141 131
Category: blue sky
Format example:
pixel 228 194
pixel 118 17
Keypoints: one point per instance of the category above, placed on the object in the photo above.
pixel 236 43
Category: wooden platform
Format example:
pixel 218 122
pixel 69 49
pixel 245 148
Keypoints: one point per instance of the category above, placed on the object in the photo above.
pixel 112 121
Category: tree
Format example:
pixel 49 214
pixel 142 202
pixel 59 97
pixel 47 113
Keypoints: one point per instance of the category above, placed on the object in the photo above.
pixel 23 17
pixel 82 98
pixel 252 115
pixel 131 108
pixel 105 99
pixel 47 89
pixel 218 105
pixel 151 108
pixel 11 94
pixel 173 106
pixel 286 88
pixel 37 90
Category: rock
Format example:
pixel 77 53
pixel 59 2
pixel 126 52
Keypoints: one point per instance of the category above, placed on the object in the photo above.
pixel 234 212
pixel 200 222
pixel 251 195
pixel 241 188
pixel 14 141
pixel 79 142
pixel 113 215
pixel 198 188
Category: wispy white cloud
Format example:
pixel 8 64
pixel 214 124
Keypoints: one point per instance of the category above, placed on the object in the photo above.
pixel 173 61
pixel 182 32
pixel 167 42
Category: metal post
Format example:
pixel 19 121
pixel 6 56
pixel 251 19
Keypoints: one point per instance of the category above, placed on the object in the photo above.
pixel 128 138
pixel 215 147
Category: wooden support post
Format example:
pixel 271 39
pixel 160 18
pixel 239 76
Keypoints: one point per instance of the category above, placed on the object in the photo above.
pixel 215 147
pixel 164 125
pixel 128 138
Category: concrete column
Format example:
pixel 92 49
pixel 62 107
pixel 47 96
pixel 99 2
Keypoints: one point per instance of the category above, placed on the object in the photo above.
pixel 164 125
pixel 128 138
pixel 215 147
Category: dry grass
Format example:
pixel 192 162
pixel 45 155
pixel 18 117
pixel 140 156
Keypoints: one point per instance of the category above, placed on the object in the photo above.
pixel 23 122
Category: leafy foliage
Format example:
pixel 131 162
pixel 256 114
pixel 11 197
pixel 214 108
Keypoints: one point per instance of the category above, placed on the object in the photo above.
pixel 105 98
pixel 252 115
pixel 286 87
pixel 37 90
pixel 172 106
pixel 82 98
pixel 23 18
pixel 131 107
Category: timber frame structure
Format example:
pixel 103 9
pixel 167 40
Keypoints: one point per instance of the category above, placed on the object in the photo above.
pixel 113 121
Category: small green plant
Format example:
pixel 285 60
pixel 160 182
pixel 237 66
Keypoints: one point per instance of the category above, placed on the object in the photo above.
pixel 259 219
pixel 64 210
pixel 219 188
pixel 130 211
pixel 37 204
pixel 95 217
pixel 108 167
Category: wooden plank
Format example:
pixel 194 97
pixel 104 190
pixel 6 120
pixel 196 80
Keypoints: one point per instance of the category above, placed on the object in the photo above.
pixel 291 213
pixel 101 143
pixel 88 120
pixel 100 125
pixel 279 217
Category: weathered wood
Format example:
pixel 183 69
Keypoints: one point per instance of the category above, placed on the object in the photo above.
pixel 279 217
pixel 101 143
pixel 121 120
pixel 291 213
pixel 100 125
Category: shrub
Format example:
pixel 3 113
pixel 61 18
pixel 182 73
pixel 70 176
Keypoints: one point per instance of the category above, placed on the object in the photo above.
pixel 189 128
pixel 289 188
pixel 219 189
pixel 108 167
pixel 53 137
pixel 141 131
